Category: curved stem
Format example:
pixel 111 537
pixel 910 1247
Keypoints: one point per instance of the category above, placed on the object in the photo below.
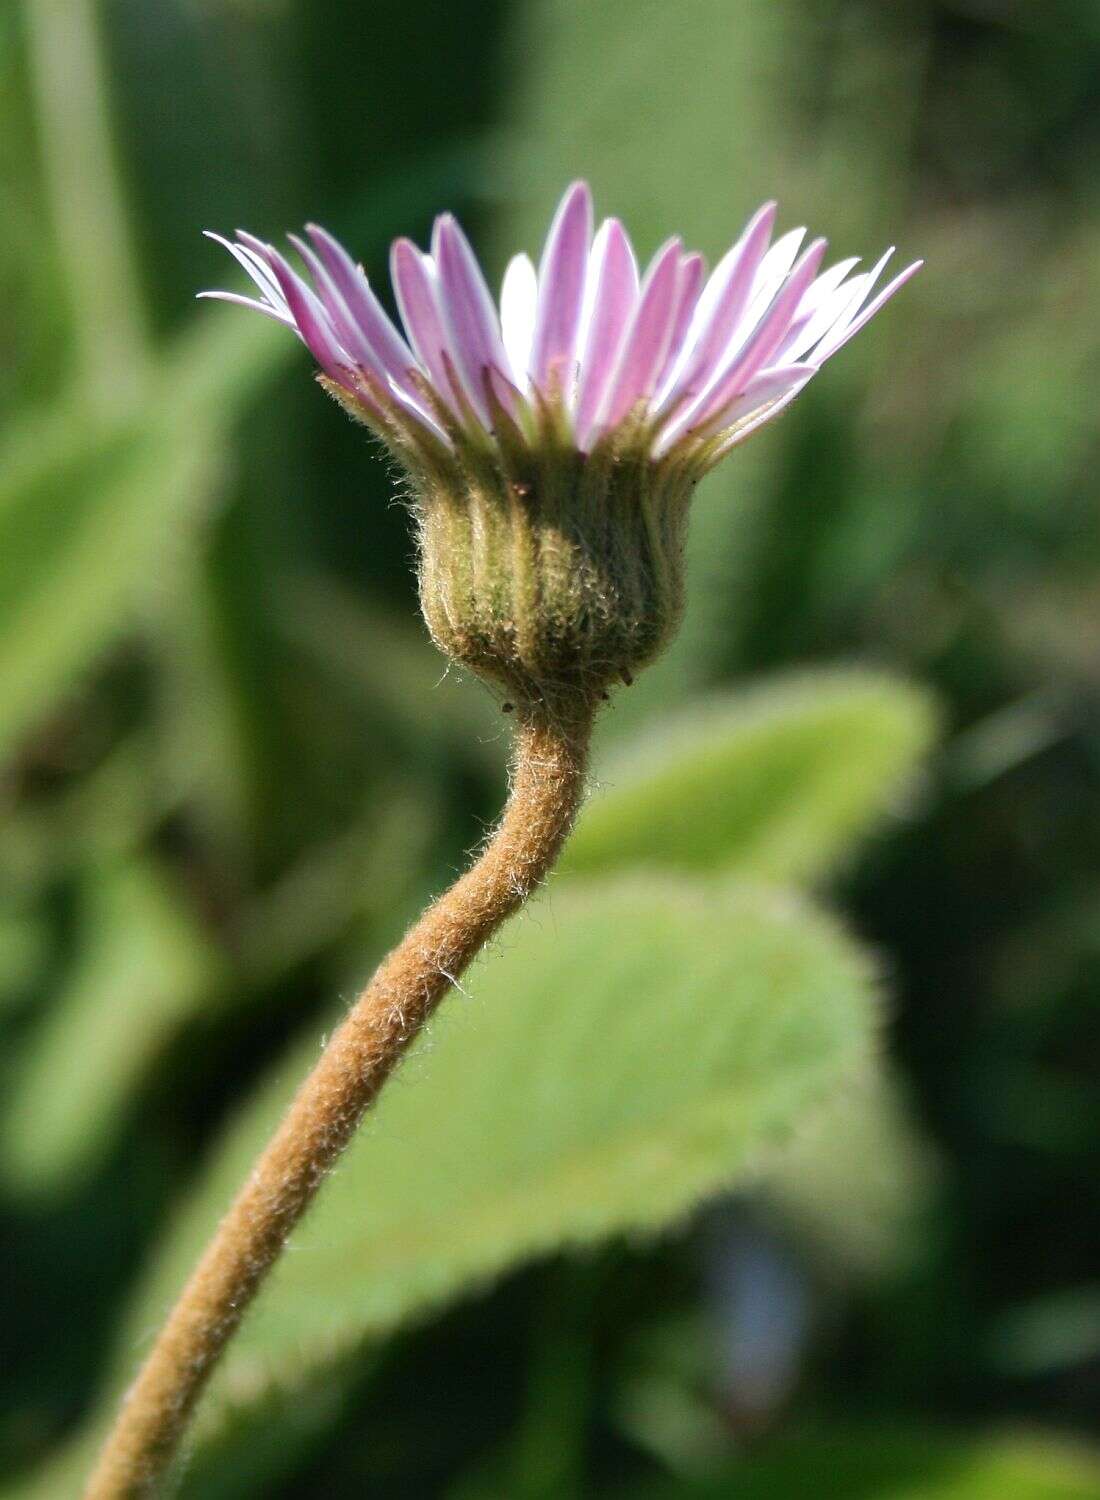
pixel 547 786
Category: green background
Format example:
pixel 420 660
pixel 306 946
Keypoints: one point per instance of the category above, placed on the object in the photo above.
pixel 231 767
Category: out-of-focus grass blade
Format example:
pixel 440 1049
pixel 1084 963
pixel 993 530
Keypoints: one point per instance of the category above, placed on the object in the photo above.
pixel 22 950
pixel 78 554
pixel 1049 1334
pixel 142 966
pixel 88 523
pixel 391 662
pixel 885 1465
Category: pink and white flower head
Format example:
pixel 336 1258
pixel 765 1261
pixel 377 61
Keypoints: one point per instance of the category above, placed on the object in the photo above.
pixel 553 443
pixel 683 364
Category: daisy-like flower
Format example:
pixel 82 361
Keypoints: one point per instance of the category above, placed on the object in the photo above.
pixel 703 361
pixel 575 420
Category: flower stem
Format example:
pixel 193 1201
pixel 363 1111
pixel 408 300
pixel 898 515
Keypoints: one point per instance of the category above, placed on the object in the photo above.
pixel 547 786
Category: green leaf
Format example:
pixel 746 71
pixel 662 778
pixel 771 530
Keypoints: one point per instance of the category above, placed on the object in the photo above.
pixel 855 1178
pixel 77 554
pixel 89 516
pixel 630 1051
pixel 776 783
pixel 23 948
pixel 1048 1334
pixel 897 1466
pixel 142 966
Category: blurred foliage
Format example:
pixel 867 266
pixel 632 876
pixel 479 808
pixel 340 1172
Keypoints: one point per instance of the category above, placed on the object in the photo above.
pixel 909 1466
pixel 231 769
pixel 777 785
pixel 540 1112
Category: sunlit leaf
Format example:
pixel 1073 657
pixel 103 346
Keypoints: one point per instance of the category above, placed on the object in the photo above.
pixel 632 1048
pixel 775 783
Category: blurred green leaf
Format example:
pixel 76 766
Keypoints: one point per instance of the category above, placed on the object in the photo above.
pixel 1048 1334
pixel 581 71
pixel 23 939
pixel 103 814
pixel 141 967
pixel 77 555
pixel 365 871
pixel 596 1084
pixel 89 517
pixel 777 783
pixel 390 661
pixel 248 1457
pixel 854 1179
pixel 897 1466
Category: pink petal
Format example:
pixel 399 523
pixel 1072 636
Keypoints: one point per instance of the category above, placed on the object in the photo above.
pixel 415 409
pixel 849 299
pixel 414 285
pixel 818 311
pixel 768 386
pixel 762 343
pixel 313 321
pixel 645 344
pixel 693 270
pixel 751 426
pixel 255 267
pixel 518 302
pixel 762 389
pixel 505 391
pixel 773 270
pixel 259 254
pixel 773 326
pixel 561 284
pixel 469 314
pixel 610 299
pixel 825 285
pixel 347 329
pixel 365 307
pixel 721 304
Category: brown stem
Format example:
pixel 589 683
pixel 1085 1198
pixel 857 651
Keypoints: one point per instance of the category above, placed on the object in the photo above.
pixel 547 786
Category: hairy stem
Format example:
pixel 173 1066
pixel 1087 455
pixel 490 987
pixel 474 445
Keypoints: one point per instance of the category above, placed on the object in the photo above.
pixel 547 786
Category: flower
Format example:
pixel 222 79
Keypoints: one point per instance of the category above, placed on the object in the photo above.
pixel 553 446
pixel 691 364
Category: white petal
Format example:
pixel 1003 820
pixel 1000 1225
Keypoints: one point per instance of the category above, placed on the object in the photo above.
pixel 263 307
pixel 822 305
pixel 767 286
pixel 825 285
pixel 518 303
pixel 252 264
pixel 857 290
pixel 773 271
pixel 868 312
